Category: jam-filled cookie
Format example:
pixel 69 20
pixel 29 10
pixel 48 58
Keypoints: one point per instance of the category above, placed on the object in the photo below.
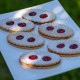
pixel 39 16
pixel 25 40
pixel 65 48
pixel 15 25
pixel 39 60
pixel 55 31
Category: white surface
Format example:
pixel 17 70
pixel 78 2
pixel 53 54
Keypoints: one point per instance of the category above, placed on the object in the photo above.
pixel 12 54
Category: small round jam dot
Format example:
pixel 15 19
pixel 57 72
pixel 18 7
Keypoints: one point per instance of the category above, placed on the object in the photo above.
pixel 60 30
pixel 50 28
pixel 73 46
pixel 31 39
pixel 10 23
pixel 43 16
pixel 19 37
pixel 33 57
pixel 32 13
pixel 61 45
pixel 22 24
pixel 46 58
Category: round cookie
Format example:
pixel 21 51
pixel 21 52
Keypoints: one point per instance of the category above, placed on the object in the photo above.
pixel 55 31
pixel 65 48
pixel 39 60
pixel 16 25
pixel 25 40
pixel 39 16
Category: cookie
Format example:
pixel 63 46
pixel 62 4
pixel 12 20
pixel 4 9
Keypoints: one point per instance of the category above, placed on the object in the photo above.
pixel 16 25
pixel 55 31
pixel 25 40
pixel 65 48
pixel 39 16
pixel 39 60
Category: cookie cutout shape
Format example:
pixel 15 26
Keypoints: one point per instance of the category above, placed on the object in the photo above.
pixel 16 25
pixel 39 60
pixel 39 16
pixel 55 31
pixel 25 40
pixel 65 48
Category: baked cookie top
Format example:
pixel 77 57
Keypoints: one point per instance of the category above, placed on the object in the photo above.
pixel 39 15
pixel 65 47
pixel 39 58
pixel 56 30
pixel 25 39
pixel 16 24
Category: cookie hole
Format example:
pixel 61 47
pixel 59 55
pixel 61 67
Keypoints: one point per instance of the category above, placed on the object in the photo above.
pixel 50 28
pixel 61 45
pixel 33 57
pixel 31 39
pixel 19 37
pixel 43 16
pixel 32 13
pixel 73 46
pixel 21 24
pixel 10 23
pixel 60 31
pixel 46 58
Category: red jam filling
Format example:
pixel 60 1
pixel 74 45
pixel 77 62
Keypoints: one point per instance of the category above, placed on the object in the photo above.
pixel 31 39
pixel 60 30
pixel 50 28
pixel 19 37
pixel 32 13
pixel 22 24
pixel 43 16
pixel 10 23
pixel 61 45
pixel 73 46
pixel 33 57
pixel 46 58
